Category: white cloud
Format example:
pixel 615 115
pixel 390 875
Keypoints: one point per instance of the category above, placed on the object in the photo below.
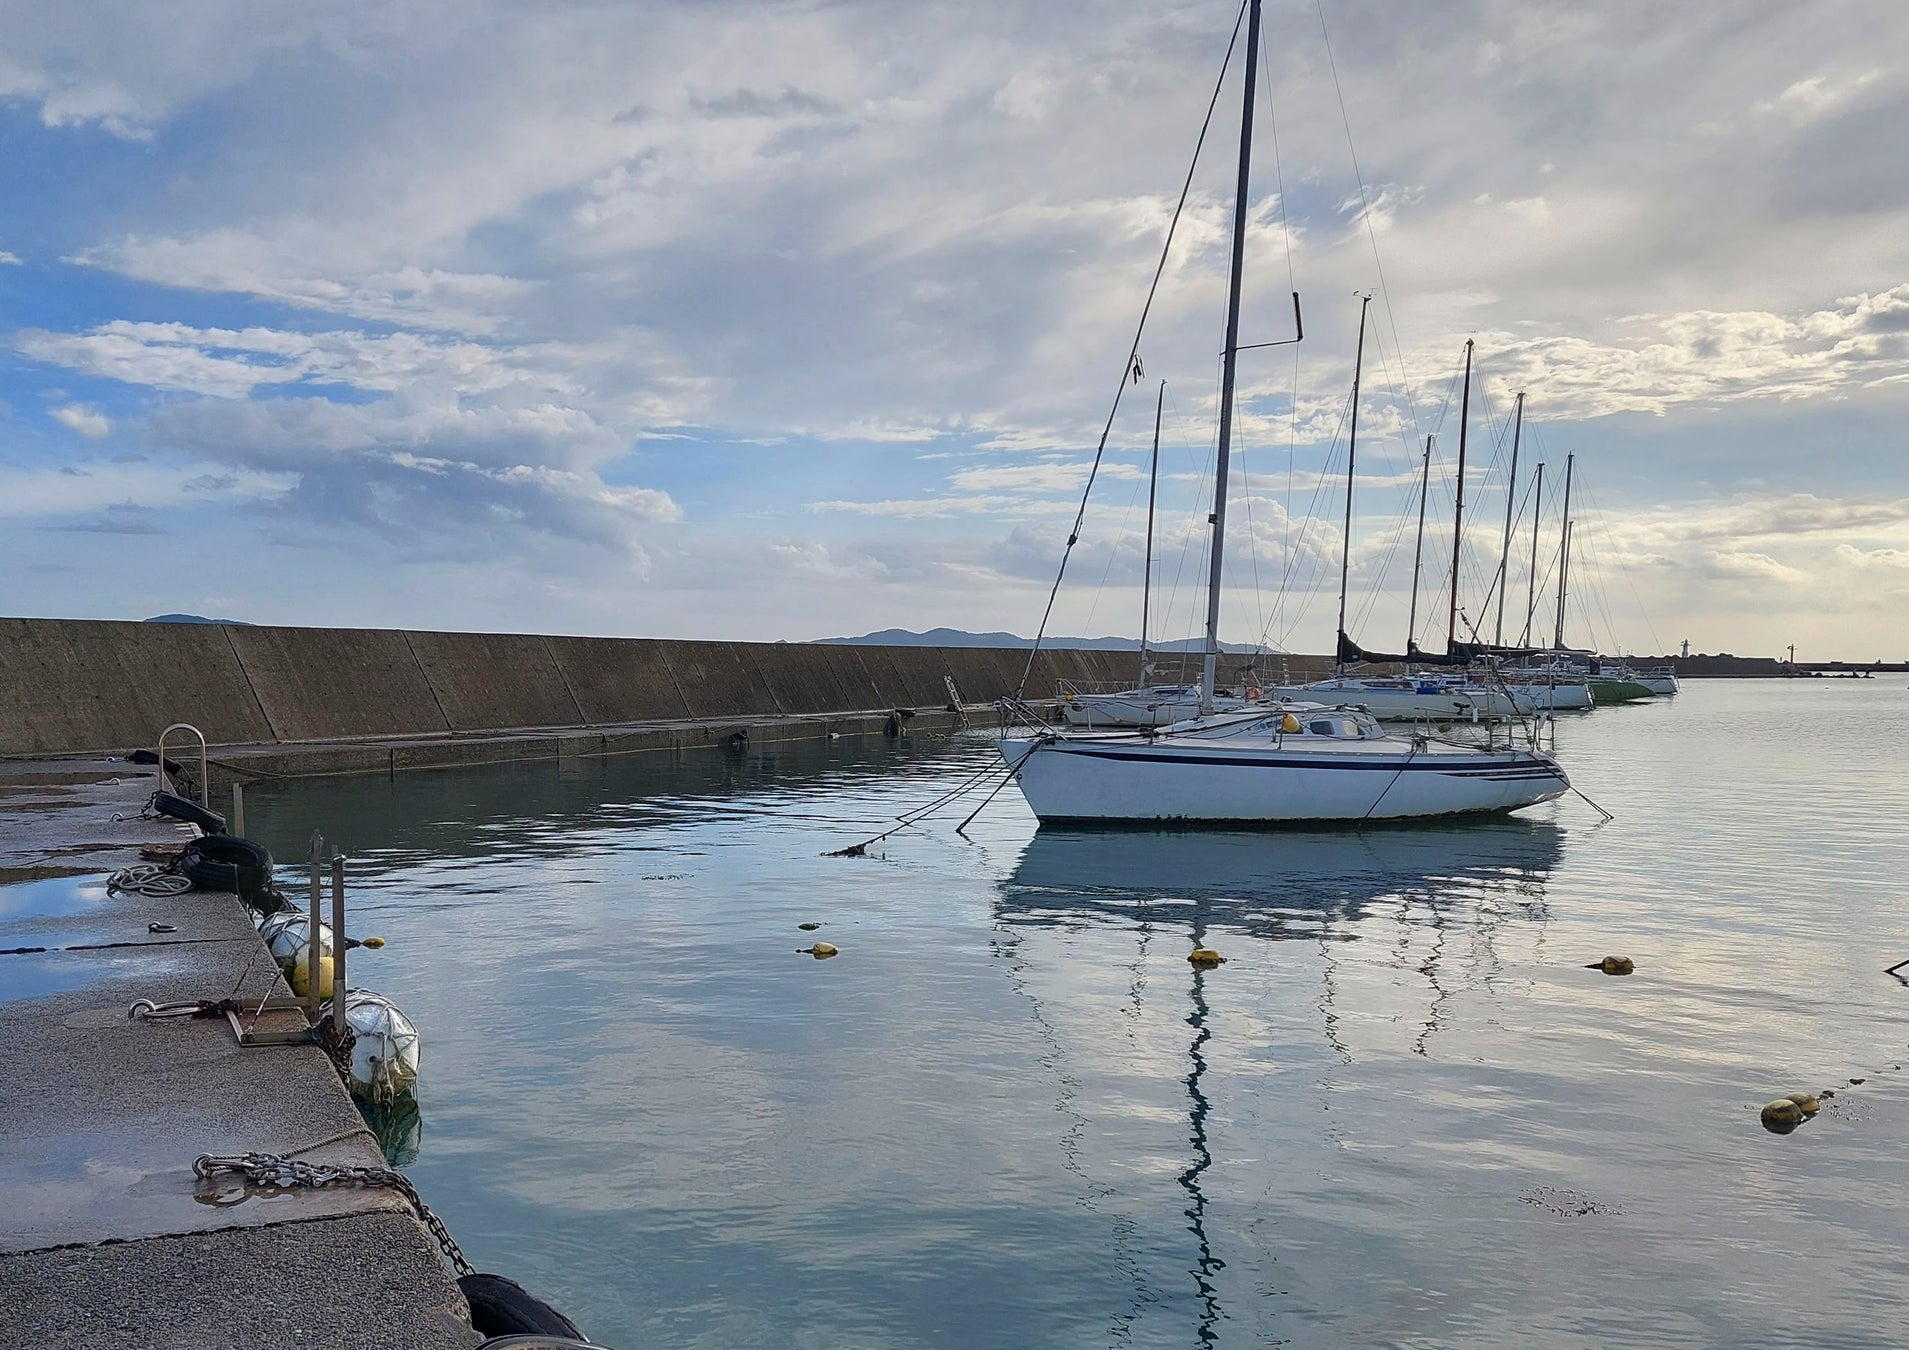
pixel 88 422
pixel 8 258
pixel 448 271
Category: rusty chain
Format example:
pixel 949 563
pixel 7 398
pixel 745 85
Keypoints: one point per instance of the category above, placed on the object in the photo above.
pixel 281 1173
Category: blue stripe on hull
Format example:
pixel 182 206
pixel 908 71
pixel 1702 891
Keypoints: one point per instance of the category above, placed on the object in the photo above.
pixel 1417 765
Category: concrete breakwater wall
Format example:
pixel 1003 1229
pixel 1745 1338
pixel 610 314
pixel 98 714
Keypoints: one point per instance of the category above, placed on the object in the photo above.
pixel 71 685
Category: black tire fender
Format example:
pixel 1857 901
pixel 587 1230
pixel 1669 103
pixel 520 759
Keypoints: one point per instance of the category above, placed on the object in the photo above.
pixel 503 1307
pixel 181 808
pixel 223 862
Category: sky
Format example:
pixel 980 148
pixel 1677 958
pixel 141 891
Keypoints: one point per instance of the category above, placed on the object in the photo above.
pixel 731 320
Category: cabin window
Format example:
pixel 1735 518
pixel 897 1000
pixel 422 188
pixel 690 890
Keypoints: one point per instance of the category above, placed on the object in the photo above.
pixel 1324 727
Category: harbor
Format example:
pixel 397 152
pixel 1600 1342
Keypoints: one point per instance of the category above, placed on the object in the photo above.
pixel 876 677
pixel 642 1101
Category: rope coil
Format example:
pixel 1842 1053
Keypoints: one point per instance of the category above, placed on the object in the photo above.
pixel 154 879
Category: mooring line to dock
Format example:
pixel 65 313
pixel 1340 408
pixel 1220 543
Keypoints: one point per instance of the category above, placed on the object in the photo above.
pixel 1593 805
pixel 908 818
pixel 922 813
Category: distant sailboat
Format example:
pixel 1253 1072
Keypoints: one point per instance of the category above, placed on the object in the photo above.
pixel 1263 767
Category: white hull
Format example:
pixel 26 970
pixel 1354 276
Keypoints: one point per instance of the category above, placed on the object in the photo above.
pixel 1259 778
pixel 1387 704
pixel 1562 697
pixel 1139 708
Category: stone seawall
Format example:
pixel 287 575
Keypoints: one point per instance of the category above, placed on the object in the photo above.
pixel 72 685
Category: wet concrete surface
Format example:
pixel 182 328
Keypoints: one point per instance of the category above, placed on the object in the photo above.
pixel 106 1237
pixel 236 1289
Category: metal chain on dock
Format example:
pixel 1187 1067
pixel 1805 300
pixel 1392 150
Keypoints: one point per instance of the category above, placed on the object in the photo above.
pixel 338 1046
pixel 282 1173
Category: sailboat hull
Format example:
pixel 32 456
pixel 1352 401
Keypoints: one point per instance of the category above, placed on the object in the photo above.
pixel 1418 703
pixel 1560 697
pixel 1179 780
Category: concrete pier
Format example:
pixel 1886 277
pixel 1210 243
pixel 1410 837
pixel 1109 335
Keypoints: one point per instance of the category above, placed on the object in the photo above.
pixel 69 685
pixel 107 1239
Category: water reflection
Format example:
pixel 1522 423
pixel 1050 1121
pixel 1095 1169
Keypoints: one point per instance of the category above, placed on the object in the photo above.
pixel 1264 885
pixel 397 1125
pixel 1418 898
pixel 543 808
pixel 1208 1266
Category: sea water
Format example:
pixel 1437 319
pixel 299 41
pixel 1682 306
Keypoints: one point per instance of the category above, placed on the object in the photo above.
pixel 1010 1113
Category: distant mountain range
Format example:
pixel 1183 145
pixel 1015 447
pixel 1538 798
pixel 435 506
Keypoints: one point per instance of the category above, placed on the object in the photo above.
pixel 960 637
pixel 194 618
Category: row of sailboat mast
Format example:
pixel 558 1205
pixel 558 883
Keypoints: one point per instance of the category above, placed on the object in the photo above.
pixel 1221 472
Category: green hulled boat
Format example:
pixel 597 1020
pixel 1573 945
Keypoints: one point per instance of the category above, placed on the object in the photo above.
pixel 1605 690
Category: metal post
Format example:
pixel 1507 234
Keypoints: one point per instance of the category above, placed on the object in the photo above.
pixel 311 936
pixel 338 944
pixel 238 809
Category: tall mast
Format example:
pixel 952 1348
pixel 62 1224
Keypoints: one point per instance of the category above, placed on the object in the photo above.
pixel 1418 550
pixel 1564 549
pixel 1352 451
pixel 1458 508
pixel 1146 576
pixel 1531 582
pixel 1511 493
pixel 1228 365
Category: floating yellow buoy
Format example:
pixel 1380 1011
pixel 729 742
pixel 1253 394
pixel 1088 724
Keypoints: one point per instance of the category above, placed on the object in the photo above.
pixel 300 977
pixel 819 950
pixel 808 927
pixel 1204 956
pixel 1613 965
pixel 1781 1116
pixel 1806 1102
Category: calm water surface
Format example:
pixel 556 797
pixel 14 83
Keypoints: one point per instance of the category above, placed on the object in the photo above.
pixel 1010 1114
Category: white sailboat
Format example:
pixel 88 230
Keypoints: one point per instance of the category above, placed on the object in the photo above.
pixel 1263 767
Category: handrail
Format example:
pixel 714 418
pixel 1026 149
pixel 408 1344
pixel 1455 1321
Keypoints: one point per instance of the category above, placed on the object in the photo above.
pixel 205 763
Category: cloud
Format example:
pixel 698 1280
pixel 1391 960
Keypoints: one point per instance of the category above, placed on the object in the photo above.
pixel 430 470
pixel 435 279
pixel 931 508
pixel 85 421
pixel 121 518
pixel 1809 99
pixel 8 258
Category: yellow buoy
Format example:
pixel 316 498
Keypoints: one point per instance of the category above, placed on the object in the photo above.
pixel 819 950
pixel 301 974
pixel 1289 724
pixel 1204 956
pixel 1781 1116
pixel 1806 1102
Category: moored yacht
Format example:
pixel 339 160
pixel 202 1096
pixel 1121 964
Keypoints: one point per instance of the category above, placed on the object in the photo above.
pixel 1278 765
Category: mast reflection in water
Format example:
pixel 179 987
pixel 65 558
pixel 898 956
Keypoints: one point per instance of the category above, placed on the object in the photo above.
pixel 1252 888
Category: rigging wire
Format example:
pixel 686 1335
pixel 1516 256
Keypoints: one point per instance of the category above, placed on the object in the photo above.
pixel 1127 369
pixel 1365 214
pixel 1624 567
